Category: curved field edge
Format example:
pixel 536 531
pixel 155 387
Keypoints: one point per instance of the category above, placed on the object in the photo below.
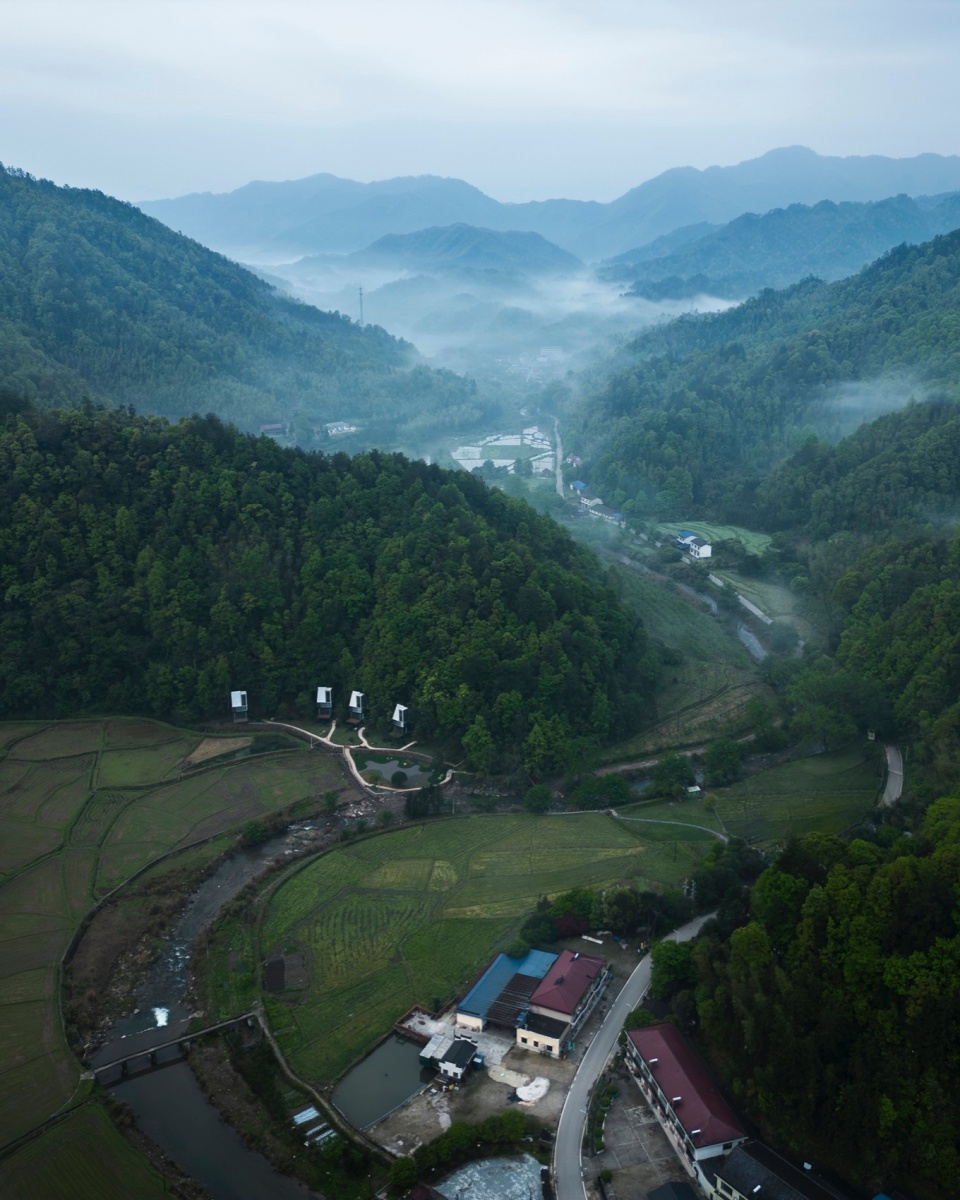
pixel 69 839
pixel 406 917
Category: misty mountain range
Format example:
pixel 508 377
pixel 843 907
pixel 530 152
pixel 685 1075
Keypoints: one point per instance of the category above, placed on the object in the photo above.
pixel 775 249
pixel 321 214
pixel 462 248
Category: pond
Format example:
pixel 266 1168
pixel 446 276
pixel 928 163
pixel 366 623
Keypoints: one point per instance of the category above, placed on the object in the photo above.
pixel 418 775
pixel 384 1080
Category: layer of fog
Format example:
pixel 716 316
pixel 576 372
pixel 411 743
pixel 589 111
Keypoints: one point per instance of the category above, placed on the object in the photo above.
pixel 484 322
pixel 842 409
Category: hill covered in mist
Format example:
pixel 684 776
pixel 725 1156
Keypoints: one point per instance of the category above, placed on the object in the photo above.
pixel 712 403
pixel 265 221
pixel 467 249
pixel 99 301
pixel 780 247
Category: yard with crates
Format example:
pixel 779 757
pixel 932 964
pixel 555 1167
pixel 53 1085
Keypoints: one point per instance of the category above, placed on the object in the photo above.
pixel 408 917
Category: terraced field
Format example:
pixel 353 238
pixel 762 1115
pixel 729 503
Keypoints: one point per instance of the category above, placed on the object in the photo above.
pixel 410 916
pixel 84 805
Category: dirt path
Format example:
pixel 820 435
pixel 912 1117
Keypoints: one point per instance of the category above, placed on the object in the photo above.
pixel 663 821
pixel 894 785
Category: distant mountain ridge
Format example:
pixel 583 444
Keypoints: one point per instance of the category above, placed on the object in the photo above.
pixel 323 213
pixel 99 301
pixel 463 247
pixel 780 247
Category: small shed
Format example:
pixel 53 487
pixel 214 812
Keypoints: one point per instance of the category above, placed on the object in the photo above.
pixel 357 708
pixel 400 718
pixel 458 1058
pixel 324 703
pixel 238 703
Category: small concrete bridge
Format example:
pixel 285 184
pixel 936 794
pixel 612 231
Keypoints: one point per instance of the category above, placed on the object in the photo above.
pixel 182 1042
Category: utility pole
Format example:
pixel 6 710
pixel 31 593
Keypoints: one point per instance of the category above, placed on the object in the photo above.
pixel 361 306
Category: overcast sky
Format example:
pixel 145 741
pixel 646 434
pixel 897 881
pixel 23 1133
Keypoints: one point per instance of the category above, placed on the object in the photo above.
pixel 524 98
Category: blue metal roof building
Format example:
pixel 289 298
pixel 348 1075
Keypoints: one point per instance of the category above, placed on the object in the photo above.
pixel 488 988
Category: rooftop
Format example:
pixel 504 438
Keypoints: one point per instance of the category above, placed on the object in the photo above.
pixel 703 1113
pixel 548 1026
pixel 461 1052
pixel 757 1168
pixel 566 983
pixel 495 979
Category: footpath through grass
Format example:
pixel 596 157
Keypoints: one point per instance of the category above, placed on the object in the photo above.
pixel 83 805
pixel 409 917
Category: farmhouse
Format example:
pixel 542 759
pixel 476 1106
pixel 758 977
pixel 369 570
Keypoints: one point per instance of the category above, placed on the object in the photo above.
pixel 695 546
pixel 356 708
pixel 695 1117
pixel 238 703
pixel 503 991
pixel 607 514
pixel 566 996
pixel 324 703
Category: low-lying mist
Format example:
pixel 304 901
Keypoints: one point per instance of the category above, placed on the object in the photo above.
pixel 842 409
pixel 485 323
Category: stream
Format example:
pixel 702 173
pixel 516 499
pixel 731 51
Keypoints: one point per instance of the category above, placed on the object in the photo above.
pixel 167 1101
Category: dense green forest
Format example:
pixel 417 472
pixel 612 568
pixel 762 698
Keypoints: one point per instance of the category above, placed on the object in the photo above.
pixel 151 568
pixel 779 247
pixel 712 403
pixel 99 301
pixel 831 1013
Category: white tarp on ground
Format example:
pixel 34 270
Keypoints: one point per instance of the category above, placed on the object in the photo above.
pixel 533 1091
pixel 494 1179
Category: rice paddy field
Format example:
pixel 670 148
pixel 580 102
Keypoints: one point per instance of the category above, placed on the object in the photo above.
pixel 409 917
pixel 84 805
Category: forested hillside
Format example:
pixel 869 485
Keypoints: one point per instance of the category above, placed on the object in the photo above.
pixel 831 1014
pixel 714 402
pixel 98 300
pixel 782 246
pixel 150 568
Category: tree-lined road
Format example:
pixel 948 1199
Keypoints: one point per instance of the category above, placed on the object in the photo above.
pixel 566 1156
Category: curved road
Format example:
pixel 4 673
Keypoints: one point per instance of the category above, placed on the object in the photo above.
pixel 566 1155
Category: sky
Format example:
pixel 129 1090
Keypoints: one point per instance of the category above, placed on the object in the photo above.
pixel 526 99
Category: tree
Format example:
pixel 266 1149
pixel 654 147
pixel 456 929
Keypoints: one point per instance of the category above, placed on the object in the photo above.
pixel 538 799
pixel 671 969
pixel 673 773
pixel 723 760
pixel 403 1172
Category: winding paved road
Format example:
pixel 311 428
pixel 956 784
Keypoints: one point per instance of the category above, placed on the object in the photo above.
pixel 566 1156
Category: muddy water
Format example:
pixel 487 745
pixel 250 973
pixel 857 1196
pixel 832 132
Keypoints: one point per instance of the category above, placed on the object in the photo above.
pixel 382 1082
pixel 167 1101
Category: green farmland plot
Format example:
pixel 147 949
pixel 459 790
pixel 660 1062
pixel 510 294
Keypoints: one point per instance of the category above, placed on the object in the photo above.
pixel 828 793
pixel 84 805
pixel 409 917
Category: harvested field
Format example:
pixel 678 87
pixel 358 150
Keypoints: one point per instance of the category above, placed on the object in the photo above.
pixel 60 741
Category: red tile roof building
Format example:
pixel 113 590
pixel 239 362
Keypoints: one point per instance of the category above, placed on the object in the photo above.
pixel 685 1099
pixel 567 985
